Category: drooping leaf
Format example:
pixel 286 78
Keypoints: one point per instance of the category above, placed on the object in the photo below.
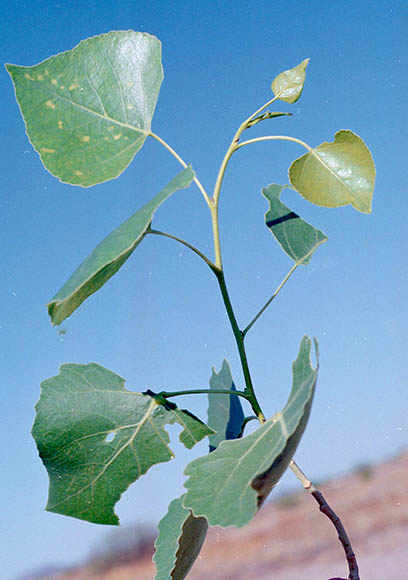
pixel 110 254
pixel 229 484
pixel 288 85
pixel 336 174
pixel 88 111
pixel 95 438
pixel 295 236
pixel 225 414
pixel 181 536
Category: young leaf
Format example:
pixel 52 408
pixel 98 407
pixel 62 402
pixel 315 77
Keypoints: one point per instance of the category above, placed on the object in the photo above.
pixel 95 438
pixel 88 111
pixel 336 174
pixel 181 536
pixel 225 414
pixel 288 85
pixel 229 484
pixel 296 237
pixel 110 254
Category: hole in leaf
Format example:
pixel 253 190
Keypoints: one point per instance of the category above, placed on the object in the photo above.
pixel 110 437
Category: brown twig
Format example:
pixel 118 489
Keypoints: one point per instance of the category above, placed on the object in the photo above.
pixel 333 517
pixel 343 537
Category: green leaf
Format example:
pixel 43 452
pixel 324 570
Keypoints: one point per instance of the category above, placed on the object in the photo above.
pixel 296 237
pixel 88 111
pixel 181 536
pixel 110 254
pixel 336 174
pixel 225 414
pixel 288 85
pixel 228 485
pixel 95 438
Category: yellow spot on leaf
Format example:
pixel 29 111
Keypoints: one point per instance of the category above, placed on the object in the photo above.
pixel 50 104
pixel 117 136
pixel 46 150
pixel 73 86
pixel 86 138
pixel 62 87
pixel 54 82
pixel 129 84
pixel 78 173
pixel 28 76
pixel 40 77
pixel 60 125
pixel 129 106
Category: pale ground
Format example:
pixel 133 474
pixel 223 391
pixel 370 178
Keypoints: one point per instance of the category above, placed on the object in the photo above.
pixel 291 540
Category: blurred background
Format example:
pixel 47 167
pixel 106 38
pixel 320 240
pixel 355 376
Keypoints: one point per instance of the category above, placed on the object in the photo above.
pixel 160 321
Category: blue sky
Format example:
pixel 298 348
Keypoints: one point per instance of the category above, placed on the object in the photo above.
pixel 160 322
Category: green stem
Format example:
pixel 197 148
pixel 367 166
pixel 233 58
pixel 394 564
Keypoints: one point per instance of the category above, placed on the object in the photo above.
pixel 187 244
pixel 168 394
pixel 183 163
pixel 265 306
pixel 274 138
pixel 239 339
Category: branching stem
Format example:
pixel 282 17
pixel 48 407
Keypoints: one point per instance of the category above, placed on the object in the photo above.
pixel 183 163
pixel 333 517
pixel 168 394
pixel 265 306
pixel 239 339
pixel 187 244
pixel 274 138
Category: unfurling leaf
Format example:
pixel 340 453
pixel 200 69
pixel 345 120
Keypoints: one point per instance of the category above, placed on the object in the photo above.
pixel 95 438
pixel 288 85
pixel 295 236
pixel 88 111
pixel 110 254
pixel 336 174
pixel 225 414
pixel 181 536
pixel 228 485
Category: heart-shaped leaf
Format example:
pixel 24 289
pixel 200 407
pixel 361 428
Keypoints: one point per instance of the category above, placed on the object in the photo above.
pixel 225 414
pixel 288 85
pixel 180 539
pixel 295 236
pixel 95 438
pixel 110 254
pixel 228 485
pixel 88 111
pixel 336 174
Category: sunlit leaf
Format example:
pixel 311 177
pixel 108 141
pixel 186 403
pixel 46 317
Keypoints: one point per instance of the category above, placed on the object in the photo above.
pixel 288 85
pixel 295 236
pixel 228 485
pixel 181 536
pixel 95 438
pixel 110 254
pixel 336 174
pixel 225 414
pixel 88 111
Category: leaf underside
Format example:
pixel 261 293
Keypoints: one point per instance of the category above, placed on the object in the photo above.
pixel 95 438
pixel 180 539
pixel 110 254
pixel 336 174
pixel 225 414
pixel 229 485
pixel 295 236
pixel 88 111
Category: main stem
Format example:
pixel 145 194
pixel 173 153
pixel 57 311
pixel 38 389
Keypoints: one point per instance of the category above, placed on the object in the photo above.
pixel 239 339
